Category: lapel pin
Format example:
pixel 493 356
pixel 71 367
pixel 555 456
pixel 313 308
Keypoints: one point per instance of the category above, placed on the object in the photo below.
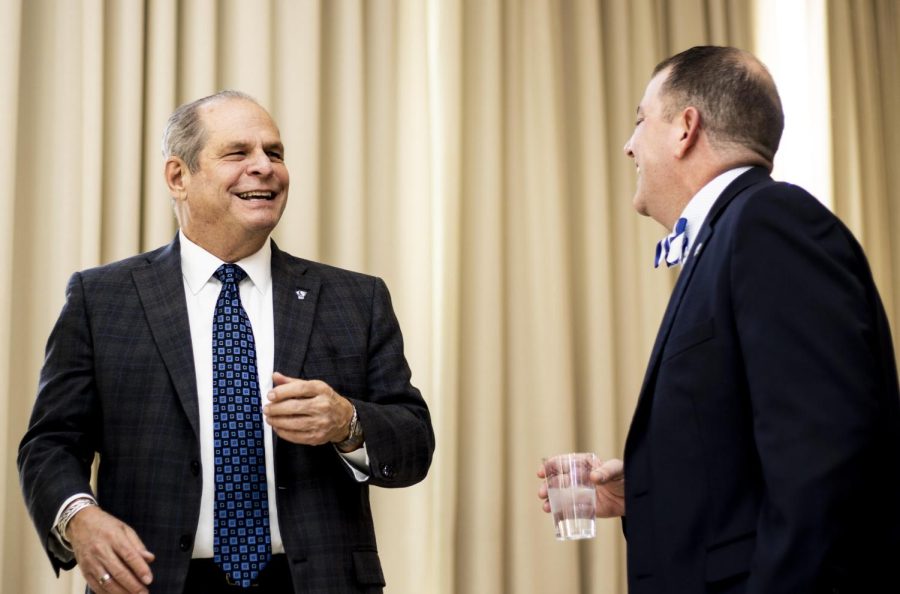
pixel 301 294
pixel 698 248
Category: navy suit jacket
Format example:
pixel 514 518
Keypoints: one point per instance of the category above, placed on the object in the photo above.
pixel 118 379
pixel 764 452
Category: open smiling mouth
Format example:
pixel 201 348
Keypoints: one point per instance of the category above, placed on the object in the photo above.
pixel 256 195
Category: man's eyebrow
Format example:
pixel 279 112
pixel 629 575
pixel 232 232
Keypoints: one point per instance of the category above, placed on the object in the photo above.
pixel 246 144
pixel 235 144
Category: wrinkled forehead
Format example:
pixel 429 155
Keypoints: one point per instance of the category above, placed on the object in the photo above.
pixel 234 118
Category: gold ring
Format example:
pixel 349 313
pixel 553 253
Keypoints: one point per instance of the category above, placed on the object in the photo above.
pixel 104 578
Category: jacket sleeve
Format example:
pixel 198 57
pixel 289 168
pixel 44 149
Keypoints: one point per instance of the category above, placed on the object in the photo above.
pixel 57 451
pixel 808 318
pixel 395 419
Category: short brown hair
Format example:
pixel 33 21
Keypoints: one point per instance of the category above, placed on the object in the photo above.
pixel 732 90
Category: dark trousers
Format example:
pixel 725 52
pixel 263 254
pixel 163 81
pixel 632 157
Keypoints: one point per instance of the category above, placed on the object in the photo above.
pixel 205 577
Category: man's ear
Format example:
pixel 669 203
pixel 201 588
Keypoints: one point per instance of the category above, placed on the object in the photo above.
pixel 689 128
pixel 176 174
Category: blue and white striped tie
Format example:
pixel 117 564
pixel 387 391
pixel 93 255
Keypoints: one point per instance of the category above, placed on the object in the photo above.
pixel 672 248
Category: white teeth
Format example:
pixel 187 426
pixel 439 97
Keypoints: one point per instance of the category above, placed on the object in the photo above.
pixel 255 194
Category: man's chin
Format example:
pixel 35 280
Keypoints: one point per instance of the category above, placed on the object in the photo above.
pixel 640 206
pixel 263 212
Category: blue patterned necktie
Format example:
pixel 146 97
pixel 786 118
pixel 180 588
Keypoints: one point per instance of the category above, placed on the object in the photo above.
pixel 241 542
pixel 672 247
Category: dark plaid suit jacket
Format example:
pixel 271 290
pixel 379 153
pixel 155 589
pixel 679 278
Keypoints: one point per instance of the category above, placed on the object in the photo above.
pixel 118 380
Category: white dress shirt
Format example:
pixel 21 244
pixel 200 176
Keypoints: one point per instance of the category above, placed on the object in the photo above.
pixel 202 290
pixel 702 202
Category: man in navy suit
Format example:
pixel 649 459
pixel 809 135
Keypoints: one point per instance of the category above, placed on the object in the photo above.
pixel 764 452
pixel 129 372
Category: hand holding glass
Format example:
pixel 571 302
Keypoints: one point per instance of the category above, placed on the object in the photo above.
pixel 572 495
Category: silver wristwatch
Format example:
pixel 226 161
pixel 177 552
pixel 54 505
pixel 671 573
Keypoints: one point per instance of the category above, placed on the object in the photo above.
pixel 355 439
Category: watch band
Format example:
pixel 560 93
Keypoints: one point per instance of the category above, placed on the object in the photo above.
pixel 355 438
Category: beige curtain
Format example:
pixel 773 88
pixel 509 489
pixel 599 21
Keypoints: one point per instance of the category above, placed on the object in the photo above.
pixel 557 301
pixel 864 44
pixel 468 151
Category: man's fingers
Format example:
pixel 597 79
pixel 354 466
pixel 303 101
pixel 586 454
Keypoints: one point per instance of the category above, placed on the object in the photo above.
pixel 306 436
pixel 307 412
pixel 607 471
pixel 93 578
pixel 542 491
pixel 112 577
pixel 285 388
pixel 290 407
pixel 137 557
pixel 318 405
pixel 612 470
pixel 279 379
pixel 111 555
pixel 125 566
pixel 310 425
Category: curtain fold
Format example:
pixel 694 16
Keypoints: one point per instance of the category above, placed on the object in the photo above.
pixel 467 151
pixel 558 301
pixel 864 51
pixel 12 417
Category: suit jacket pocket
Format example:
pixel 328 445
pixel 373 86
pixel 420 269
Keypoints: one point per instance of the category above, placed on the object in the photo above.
pixel 689 338
pixel 731 558
pixel 338 371
pixel 368 568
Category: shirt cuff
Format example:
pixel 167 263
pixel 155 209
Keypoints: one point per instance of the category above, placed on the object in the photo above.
pixel 63 507
pixel 358 462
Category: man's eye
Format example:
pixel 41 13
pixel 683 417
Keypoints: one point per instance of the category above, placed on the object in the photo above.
pixel 235 154
pixel 276 156
pixel 638 122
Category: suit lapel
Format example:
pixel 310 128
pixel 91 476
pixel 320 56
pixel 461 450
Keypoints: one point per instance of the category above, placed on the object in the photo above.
pixel 684 278
pixel 295 294
pixel 161 290
pixel 699 246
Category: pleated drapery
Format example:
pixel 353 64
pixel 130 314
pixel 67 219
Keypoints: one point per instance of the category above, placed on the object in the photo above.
pixel 467 151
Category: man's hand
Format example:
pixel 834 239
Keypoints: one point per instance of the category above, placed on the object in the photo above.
pixel 307 412
pixel 609 482
pixel 105 545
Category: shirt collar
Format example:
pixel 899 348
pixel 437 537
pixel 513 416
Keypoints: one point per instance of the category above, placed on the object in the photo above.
pixel 198 265
pixel 702 202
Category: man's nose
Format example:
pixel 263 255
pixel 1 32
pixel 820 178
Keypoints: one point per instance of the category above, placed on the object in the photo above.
pixel 627 149
pixel 260 164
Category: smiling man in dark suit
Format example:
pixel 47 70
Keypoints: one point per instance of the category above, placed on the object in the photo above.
pixel 764 453
pixel 241 400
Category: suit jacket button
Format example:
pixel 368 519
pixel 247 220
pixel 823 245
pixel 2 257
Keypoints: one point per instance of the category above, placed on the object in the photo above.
pixel 185 542
pixel 387 471
pixel 195 467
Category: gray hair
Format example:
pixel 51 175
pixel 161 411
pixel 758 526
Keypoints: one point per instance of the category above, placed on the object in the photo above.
pixel 185 135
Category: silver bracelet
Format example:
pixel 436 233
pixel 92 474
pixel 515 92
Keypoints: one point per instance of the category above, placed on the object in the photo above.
pixel 355 438
pixel 69 513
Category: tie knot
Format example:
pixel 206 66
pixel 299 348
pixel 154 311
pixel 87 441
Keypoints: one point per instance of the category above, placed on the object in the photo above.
pixel 230 273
